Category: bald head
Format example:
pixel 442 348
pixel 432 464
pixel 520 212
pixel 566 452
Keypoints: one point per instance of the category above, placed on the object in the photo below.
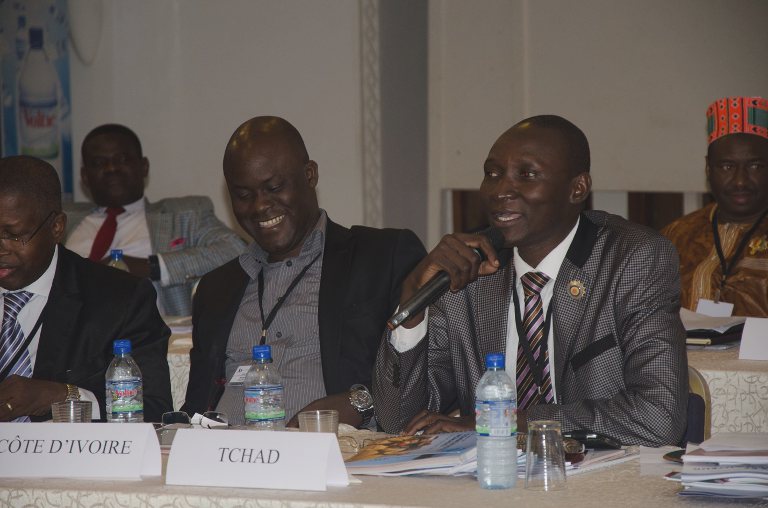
pixel 570 137
pixel 31 179
pixel 261 131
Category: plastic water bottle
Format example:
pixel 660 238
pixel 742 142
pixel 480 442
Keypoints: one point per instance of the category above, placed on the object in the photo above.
pixel 38 101
pixel 125 393
pixel 263 394
pixel 116 260
pixel 496 425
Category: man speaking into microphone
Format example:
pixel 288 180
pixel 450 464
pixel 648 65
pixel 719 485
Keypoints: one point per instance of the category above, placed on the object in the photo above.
pixel 584 304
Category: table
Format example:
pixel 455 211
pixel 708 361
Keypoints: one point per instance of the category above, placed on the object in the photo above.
pixel 621 485
pixel 739 389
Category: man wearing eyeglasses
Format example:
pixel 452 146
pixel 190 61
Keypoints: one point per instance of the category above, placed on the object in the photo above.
pixel 724 246
pixel 174 241
pixel 60 312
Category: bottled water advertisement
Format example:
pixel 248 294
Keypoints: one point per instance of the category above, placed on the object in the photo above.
pixel 34 82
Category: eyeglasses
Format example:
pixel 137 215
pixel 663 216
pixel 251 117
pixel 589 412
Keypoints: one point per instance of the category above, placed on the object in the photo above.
pixel 18 240
pixel 180 419
pixel 175 417
pixel 349 445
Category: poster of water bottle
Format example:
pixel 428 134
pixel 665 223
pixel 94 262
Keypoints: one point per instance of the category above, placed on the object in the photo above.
pixel 35 83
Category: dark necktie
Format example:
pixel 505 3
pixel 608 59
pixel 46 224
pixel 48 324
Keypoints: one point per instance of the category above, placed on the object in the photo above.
pixel 105 235
pixel 528 392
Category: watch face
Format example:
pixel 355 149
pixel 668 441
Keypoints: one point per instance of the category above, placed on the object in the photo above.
pixel 361 399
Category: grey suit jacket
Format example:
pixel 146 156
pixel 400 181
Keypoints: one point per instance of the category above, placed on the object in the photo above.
pixel 191 240
pixel 620 359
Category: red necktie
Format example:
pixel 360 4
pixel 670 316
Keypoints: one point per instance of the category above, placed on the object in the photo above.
pixel 105 235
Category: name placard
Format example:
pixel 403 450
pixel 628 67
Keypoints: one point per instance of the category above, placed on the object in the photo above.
pixel 256 459
pixel 754 339
pixel 79 450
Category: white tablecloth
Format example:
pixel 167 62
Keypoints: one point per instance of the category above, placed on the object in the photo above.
pixel 178 362
pixel 739 390
pixel 622 486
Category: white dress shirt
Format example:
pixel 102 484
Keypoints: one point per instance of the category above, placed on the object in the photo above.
pixel 403 339
pixel 30 313
pixel 132 235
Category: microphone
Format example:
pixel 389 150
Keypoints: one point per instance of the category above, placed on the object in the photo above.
pixel 439 284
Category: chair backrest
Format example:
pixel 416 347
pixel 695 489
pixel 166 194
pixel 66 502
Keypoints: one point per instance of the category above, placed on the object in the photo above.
pixel 699 408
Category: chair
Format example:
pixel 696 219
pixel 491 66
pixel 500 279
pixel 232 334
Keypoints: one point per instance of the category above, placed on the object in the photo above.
pixel 699 408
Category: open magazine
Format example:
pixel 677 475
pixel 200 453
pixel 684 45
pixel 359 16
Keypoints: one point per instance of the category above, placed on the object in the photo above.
pixel 455 454
pixel 437 454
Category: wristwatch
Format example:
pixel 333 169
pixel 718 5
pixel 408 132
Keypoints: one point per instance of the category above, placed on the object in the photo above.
pixel 154 267
pixel 73 392
pixel 362 400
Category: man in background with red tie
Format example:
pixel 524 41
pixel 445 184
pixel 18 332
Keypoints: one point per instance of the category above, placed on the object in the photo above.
pixel 173 242
pixel 60 312
pixel 583 303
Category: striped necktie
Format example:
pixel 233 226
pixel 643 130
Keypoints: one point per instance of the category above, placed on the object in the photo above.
pixel 12 338
pixel 528 392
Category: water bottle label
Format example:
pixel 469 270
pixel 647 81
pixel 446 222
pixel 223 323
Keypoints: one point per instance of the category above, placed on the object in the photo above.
pixel 264 403
pixel 126 396
pixel 39 128
pixel 495 418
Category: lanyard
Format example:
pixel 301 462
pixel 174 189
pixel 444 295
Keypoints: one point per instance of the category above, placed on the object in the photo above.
pixel 536 367
pixel 726 266
pixel 280 301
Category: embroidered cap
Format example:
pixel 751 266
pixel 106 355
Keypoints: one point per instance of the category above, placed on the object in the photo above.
pixel 732 115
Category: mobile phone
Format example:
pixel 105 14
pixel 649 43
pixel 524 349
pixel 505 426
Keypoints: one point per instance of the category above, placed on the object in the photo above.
pixel 593 440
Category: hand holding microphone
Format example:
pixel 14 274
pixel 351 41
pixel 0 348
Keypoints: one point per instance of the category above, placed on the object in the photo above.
pixel 457 260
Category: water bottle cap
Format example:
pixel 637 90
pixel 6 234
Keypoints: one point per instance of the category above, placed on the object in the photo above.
pixel 494 360
pixel 116 253
pixel 262 352
pixel 36 37
pixel 121 346
pixel 22 21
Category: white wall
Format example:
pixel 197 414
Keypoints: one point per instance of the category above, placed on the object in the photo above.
pixel 185 73
pixel 635 75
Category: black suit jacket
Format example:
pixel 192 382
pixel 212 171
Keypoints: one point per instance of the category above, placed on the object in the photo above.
pixel 91 305
pixel 359 289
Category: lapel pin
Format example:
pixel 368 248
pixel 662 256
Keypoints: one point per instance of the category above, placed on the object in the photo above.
pixel 576 289
pixel 758 244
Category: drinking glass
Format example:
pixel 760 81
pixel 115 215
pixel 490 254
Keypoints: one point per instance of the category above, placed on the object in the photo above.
pixel 545 458
pixel 320 420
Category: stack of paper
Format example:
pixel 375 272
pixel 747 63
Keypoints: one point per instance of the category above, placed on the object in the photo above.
pixel 733 465
pixel 599 459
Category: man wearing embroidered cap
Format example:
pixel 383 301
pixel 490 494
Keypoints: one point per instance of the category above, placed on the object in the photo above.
pixel 724 246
